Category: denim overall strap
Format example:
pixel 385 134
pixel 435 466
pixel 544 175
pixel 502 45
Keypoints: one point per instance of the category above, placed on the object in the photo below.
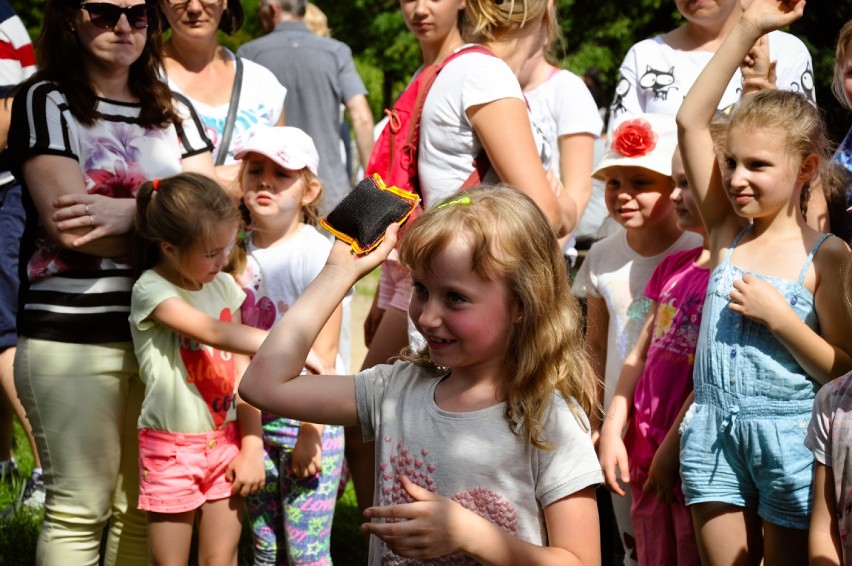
pixel 811 257
pixel 800 282
pixel 734 244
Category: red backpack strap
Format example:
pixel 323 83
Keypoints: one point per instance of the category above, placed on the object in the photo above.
pixel 426 78
pixel 481 165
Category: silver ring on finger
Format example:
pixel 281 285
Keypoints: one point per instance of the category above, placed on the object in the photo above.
pixel 92 220
pixel 87 210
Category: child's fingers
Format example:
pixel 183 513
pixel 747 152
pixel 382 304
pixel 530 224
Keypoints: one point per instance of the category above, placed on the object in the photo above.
pixel 624 467
pixel 609 478
pixel 387 244
pixel 403 511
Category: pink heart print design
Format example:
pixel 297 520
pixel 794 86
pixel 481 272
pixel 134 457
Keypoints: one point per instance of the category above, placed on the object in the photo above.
pixel 211 371
pixel 260 314
pixel 418 468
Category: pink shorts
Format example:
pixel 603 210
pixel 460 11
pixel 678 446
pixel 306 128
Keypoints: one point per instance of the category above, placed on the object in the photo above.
pixel 181 472
pixel 394 285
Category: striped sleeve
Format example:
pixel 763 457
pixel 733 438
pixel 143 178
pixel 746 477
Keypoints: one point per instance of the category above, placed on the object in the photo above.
pixel 190 132
pixel 40 125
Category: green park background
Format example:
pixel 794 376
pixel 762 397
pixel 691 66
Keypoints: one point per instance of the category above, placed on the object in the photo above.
pixel 596 33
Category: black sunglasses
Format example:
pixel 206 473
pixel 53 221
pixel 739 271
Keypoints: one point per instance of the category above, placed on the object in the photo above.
pixel 106 16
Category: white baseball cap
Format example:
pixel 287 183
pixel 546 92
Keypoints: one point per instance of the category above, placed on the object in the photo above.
pixel 289 147
pixel 644 140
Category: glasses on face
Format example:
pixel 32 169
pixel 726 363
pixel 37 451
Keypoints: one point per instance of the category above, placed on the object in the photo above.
pixel 106 16
pixel 181 5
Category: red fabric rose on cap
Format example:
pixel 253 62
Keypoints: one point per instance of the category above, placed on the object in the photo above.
pixel 634 138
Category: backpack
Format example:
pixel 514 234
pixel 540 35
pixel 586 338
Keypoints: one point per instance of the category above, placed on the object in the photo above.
pixel 394 155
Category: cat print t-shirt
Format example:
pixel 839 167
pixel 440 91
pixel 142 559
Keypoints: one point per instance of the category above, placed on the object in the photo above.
pixel 655 77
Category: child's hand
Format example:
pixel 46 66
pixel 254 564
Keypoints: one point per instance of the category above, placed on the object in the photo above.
pixel 664 473
pixel 306 459
pixel 317 365
pixel 612 454
pixel 769 15
pixel 757 68
pixel 429 527
pixel 246 472
pixel 342 256
pixel 758 300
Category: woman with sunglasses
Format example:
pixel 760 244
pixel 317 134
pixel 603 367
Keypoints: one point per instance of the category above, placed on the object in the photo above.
pixel 87 130
pixel 206 73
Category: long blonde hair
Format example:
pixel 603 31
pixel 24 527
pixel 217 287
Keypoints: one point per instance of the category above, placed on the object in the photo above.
pixel 510 238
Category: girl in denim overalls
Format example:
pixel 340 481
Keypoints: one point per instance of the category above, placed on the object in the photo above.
pixel 773 316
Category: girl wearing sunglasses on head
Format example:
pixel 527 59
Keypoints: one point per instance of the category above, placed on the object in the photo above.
pixel 87 130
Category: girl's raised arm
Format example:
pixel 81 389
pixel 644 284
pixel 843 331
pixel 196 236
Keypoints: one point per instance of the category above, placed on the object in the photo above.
pixel 272 381
pixel 697 110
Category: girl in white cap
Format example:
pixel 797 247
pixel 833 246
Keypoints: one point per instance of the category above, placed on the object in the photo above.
pixel 291 518
pixel 637 172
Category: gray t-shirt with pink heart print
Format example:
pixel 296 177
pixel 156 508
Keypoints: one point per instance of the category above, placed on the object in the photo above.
pixel 472 457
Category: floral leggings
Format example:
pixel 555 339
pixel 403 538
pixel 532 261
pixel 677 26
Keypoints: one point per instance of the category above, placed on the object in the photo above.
pixel 291 519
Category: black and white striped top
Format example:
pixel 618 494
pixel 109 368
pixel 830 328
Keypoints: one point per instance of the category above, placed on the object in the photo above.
pixel 68 296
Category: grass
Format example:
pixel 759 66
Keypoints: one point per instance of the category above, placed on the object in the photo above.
pixel 19 526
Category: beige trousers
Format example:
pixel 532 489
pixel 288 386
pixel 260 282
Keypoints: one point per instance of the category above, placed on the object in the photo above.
pixel 83 401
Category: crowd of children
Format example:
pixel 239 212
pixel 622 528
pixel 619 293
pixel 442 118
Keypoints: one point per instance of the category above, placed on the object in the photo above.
pixel 708 385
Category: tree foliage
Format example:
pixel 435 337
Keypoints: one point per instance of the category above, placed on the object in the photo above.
pixel 595 33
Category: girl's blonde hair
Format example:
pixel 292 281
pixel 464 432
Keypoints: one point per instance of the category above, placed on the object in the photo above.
pixel 843 42
pixel 181 210
pixel 511 239
pixel 793 114
pixel 488 20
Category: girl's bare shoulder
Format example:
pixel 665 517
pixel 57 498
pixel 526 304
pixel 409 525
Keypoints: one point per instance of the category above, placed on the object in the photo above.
pixel 833 254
